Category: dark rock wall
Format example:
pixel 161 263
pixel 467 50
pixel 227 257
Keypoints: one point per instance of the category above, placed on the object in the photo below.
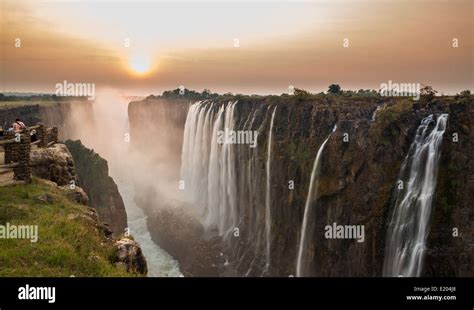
pixel 451 240
pixel 54 163
pixel 93 174
pixel 356 184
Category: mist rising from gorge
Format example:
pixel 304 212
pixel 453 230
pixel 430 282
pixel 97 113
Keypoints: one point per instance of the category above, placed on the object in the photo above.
pixel 143 180
pixel 106 130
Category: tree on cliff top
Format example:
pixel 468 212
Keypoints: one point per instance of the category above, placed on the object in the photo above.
pixel 465 93
pixel 189 94
pixel 334 89
pixel 464 96
pixel 301 92
pixel 427 94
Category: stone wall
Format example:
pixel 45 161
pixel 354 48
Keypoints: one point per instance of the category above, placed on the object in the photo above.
pixel 19 151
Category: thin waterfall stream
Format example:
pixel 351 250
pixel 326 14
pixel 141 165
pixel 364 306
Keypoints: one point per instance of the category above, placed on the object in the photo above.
pixel 303 261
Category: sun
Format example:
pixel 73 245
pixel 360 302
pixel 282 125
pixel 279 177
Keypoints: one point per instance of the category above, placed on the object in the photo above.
pixel 140 64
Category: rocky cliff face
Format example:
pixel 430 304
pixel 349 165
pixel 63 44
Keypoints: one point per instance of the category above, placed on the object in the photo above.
pixel 359 169
pixel 358 176
pixel 450 243
pixel 93 176
pixel 129 254
pixel 184 238
pixel 72 164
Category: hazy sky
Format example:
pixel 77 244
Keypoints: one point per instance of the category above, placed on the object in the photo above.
pixel 194 43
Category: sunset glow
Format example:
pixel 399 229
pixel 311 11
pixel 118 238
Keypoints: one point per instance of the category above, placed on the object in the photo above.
pixel 280 43
pixel 140 64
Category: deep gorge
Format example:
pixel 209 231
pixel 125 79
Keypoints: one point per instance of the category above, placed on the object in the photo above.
pixel 236 210
pixel 356 183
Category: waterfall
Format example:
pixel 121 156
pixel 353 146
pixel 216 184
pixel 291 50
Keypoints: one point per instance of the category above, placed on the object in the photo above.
pixel 224 182
pixel 302 264
pixel 408 229
pixel 374 115
pixel 268 215
pixel 208 168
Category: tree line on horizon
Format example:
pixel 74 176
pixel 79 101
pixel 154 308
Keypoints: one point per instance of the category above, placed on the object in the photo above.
pixel 427 92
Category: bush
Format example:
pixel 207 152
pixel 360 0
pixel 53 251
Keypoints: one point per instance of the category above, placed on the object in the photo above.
pixel 390 115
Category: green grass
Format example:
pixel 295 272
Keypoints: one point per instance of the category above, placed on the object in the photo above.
pixel 69 242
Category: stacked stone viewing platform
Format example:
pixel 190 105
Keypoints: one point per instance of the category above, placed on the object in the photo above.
pixel 16 148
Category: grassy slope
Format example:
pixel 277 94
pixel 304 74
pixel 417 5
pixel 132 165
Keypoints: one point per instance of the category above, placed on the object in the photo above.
pixel 65 246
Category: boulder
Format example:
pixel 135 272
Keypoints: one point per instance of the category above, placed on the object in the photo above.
pixel 130 255
pixel 54 163
pixel 76 194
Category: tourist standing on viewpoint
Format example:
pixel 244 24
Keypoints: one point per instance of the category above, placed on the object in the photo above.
pixel 18 125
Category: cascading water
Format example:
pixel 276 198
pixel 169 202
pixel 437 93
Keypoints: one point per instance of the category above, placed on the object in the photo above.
pixel 408 229
pixel 307 228
pixel 268 215
pixel 379 108
pixel 224 180
pixel 208 167
pixel 250 183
